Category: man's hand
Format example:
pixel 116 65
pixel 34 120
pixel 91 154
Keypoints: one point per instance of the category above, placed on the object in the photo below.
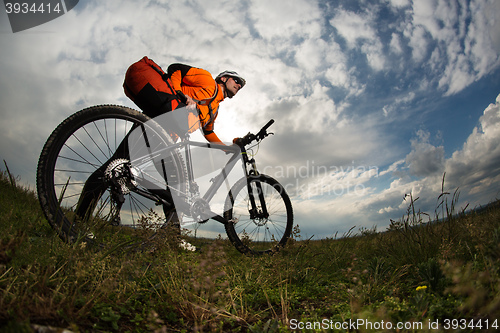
pixel 238 141
pixel 186 99
pixel 247 139
pixel 190 102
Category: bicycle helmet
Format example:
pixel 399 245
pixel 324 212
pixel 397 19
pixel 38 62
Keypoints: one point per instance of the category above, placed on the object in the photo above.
pixel 231 74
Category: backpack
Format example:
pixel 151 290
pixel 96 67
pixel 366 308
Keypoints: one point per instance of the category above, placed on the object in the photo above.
pixel 149 87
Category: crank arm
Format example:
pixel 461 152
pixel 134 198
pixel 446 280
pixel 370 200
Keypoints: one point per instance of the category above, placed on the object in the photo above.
pixel 219 218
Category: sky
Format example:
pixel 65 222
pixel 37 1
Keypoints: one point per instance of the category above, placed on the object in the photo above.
pixel 373 100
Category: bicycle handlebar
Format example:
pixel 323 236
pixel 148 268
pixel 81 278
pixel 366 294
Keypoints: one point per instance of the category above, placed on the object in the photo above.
pixel 247 139
pixel 263 132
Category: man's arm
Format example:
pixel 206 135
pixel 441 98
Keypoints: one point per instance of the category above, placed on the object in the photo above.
pixel 211 136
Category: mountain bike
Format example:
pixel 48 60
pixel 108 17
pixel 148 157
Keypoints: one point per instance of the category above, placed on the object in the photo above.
pixel 142 175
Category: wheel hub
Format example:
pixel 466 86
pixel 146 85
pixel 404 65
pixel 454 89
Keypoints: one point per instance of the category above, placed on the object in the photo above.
pixel 260 222
pixel 258 217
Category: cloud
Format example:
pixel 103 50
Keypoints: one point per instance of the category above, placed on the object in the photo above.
pixel 395 44
pixel 356 29
pixel 352 196
pixel 464 37
pixel 476 167
pixel 400 3
pixel 425 159
pixel 276 20
pixel 310 56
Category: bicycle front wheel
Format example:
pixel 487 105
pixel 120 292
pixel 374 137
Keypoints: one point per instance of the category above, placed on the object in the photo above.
pixel 263 227
pixel 85 181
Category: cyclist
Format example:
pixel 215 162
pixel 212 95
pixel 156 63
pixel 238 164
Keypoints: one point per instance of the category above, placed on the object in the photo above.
pixel 156 92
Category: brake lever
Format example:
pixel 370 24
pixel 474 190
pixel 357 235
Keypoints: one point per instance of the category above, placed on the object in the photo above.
pixel 261 136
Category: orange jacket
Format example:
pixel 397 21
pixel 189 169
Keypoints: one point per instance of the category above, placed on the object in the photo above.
pixel 198 84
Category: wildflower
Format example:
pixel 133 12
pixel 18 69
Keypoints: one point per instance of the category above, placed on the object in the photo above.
pixel 421 288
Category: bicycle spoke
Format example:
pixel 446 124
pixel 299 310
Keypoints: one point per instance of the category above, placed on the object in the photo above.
pixel 78 161
pixel 88 150
pixel 95 143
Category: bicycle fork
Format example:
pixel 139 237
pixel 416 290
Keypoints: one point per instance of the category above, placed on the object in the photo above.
pixel 254 211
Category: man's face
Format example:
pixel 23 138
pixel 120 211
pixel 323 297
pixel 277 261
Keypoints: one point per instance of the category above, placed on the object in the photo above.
pixel 233 85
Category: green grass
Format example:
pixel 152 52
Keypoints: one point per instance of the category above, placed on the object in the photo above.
pixel 415 272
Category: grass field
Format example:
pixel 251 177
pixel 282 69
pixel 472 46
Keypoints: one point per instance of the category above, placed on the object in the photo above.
pixel 420 276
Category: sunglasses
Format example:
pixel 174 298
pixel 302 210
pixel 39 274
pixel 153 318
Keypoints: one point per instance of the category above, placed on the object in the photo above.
pixel 237 80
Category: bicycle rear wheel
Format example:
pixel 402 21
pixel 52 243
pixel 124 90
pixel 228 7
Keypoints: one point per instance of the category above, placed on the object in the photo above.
pixel 80 159
pixel 252 231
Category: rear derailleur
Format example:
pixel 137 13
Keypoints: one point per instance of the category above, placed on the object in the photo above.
pixel 119 176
